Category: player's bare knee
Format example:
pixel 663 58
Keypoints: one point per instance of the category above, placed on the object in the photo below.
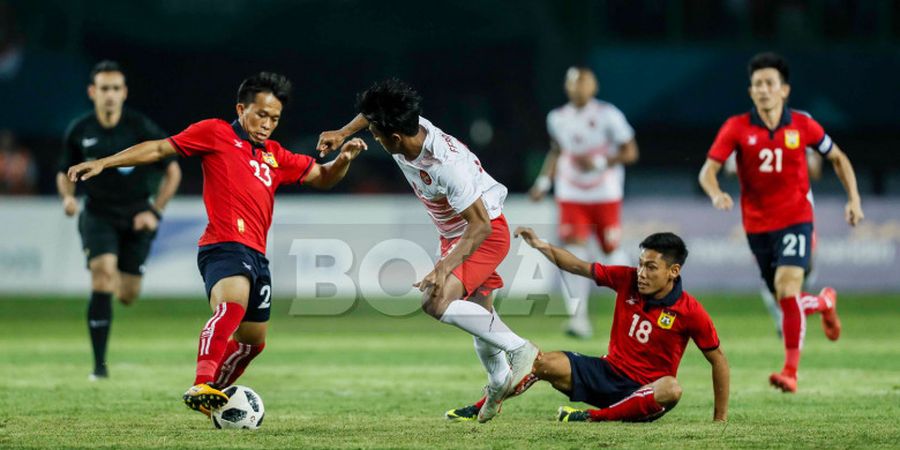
pixel 434 307
pixel 667 391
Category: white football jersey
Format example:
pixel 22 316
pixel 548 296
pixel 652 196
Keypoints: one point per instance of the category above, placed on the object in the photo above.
pixel 596 130
pixel 448 178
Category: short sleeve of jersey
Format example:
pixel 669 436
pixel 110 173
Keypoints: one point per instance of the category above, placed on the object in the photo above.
pixel 619 129
pixel 702 330
pixel 819 140
pixel 725 142
pixel 294 166
pixel 71 153
pixel 551 126
pixel 197 139
pixel 613 277
pixel 460 185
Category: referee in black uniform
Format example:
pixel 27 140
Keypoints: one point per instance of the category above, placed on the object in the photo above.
pixel 119 220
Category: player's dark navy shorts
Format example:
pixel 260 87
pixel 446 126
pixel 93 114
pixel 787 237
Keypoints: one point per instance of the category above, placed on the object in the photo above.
pixel 226 259
pixel 791 246
pixel 103 235
pixel 595 382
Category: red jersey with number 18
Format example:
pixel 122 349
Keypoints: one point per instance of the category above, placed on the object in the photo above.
pixel 239 179
pixel 648 336
pixel 772 166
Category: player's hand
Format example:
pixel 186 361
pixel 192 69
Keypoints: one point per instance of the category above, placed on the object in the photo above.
pixel 70 205
pixel 329 141
pixel 723 201
pixel 433 282
pixel 85 170
pixel 853 212
pixel 145 221
pixel 531 238
pixel 353 148
pixel 584 162
pixel 536 194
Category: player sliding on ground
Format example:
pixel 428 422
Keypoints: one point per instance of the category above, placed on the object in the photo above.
pixel 242 168
pixel 653 320
pixel 466 205
pixel 776 200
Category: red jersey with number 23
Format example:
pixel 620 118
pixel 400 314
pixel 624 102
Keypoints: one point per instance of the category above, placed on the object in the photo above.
pixel 648 337
pixel 772 166
pixel 239 179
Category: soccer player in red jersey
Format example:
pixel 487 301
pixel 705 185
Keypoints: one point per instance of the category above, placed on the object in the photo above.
pixel 242 168
pixel 776 200
pixel 466 205
pixel 653 320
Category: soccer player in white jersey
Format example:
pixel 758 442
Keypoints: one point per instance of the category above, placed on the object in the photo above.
pixel 465 203
pixel 590 143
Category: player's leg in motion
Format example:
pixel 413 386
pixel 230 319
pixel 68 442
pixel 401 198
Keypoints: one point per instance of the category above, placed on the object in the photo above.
pixel 576 224
pixel 228 300
pixel 795 306
pixel 129 288
pixel 494 335
pixel 104 277
pixel 247 343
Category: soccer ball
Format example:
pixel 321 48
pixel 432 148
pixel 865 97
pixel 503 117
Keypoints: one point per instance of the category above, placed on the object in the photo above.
pixel 244 409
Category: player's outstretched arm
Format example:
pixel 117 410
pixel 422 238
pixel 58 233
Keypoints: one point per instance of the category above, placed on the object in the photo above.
pixel 562 258
pixel 853 212
pixel 721 378
pixel 544 180
pixel 710 184
pixel 325 176
pixel 331 140
pixel 146 152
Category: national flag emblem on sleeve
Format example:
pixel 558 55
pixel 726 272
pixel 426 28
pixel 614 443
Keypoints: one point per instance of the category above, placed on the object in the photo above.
pixel 666 320
pixel 269 159
pixel 791 139
pixel 425 177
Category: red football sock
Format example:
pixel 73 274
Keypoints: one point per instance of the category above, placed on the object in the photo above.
pixel 812 303
pixel 480 403
pixel 235 359
pixel 214 337
pixel 637 406
pixel 793 325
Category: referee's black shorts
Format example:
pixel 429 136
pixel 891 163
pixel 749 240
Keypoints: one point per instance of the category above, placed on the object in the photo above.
pixel 102 235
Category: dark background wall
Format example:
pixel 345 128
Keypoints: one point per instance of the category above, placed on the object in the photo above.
pixel 489 71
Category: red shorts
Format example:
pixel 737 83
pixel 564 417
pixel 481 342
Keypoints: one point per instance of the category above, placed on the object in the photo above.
pixel 478 272
pixel 579 220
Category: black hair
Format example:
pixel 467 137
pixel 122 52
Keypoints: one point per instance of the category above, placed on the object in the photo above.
pixel 770 60
pixel 392 106
pixel 105 66
pixel 669 245
pixel 275 83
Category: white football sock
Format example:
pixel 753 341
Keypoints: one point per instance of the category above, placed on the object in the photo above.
pixel 479 322
pixel 576 288
pixel 494 361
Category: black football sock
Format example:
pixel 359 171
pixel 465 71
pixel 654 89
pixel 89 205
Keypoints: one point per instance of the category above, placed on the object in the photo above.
pixel 99 316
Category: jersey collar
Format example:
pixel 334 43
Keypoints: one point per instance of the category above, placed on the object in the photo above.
pixel 239 130
pixel 668 300
pixel 755 118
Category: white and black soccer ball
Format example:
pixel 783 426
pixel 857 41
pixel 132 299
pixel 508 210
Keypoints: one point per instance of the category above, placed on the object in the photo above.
pixel 244 409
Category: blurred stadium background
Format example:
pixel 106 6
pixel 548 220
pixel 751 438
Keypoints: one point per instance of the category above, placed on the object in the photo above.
pixel 489 71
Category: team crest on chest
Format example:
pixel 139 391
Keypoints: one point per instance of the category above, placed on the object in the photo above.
pixel 666 320
pixel 269 159
pixel 791 139
pixel 425 177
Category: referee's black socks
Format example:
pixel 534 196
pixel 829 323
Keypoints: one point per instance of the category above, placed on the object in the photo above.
pixel 99 316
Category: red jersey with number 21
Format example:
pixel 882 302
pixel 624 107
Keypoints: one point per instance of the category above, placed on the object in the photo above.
pixel 239 180
pixel 648 338
pixel 772 167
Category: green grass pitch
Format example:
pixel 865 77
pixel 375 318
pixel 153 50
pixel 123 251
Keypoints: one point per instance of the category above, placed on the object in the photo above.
pixel 363 380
